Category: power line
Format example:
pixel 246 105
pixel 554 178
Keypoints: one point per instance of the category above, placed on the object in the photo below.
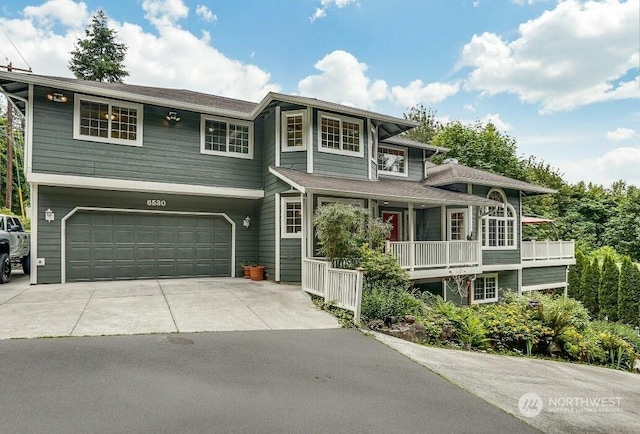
pixel 16 48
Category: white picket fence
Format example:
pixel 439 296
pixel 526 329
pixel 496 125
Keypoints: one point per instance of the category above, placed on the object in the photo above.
pixel 341 287
pixel 547 250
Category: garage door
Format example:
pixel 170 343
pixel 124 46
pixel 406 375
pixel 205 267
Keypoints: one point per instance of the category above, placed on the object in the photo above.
pixel 110 246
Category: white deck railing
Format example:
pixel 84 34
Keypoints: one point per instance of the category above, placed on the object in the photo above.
pixel 341 287
pixel 435 254
pixel 547 250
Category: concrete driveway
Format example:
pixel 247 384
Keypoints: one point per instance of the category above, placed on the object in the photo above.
pixel 154 306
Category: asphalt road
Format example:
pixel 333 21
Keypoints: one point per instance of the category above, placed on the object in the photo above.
pixel 252 382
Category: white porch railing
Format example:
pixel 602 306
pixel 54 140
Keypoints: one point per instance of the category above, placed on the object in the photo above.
pixel 547 250
pixel 435 254
pixel 342 287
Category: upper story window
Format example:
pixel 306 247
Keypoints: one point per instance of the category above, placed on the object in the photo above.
pixel 499 229
pixel 485 288
pixel 293 130
pixel 108 121
pixel 291 218
pixel 226 137
pixel 340 135
pixel 392 160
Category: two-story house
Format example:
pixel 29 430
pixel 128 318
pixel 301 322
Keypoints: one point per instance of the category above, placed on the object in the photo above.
pixel 134 182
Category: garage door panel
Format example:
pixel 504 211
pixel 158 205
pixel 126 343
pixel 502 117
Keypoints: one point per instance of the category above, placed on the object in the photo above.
pixel 104 246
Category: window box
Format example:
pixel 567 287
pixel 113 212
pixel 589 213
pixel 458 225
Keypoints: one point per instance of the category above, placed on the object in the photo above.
pixel 107 121
pixel 340 135
pixel 226 137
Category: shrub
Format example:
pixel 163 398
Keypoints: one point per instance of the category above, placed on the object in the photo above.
pixel 625 331
pixel 589 287
pixel 574 276
pixel 382 270
pixel 558 313
pixel 629 293
pixel 608 295
pixel 470 331
pixel 382 303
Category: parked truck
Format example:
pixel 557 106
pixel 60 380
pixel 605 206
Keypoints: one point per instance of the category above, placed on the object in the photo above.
pixel 15 245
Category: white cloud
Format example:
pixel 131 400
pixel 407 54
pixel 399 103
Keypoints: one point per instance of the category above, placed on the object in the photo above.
pixel 574 55
pixel 469 107
pixel 497 122
pixel 417 92
pixel 619 163
pixel 622 134
pixel 343 80
pixel 168 57
pixel 321 12
pixel 205 13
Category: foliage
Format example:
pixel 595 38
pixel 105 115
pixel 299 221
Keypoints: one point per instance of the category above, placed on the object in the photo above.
pixel 470 330
pixel 589 287
pixel 629 293
pixel 386 303
pixel 382 269
pixel 428 123
pixel 510 325
pixel 625 331
pixel 19 181
pixel 345 317
pixel 98 57
pixel 608 295
pixel 603 252
pixel 26 223
pixel 575 275
pixel 343 229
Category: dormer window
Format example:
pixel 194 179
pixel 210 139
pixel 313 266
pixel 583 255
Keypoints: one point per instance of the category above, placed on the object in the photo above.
pixel 340 135
pixel 392 160
pixel 108 121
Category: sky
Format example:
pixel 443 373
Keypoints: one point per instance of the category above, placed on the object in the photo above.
pixel 560 77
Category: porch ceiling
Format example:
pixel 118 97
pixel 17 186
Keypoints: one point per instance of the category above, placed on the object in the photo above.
pixel 383 189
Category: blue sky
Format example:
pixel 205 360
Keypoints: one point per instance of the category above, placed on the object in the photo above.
pixel 561 77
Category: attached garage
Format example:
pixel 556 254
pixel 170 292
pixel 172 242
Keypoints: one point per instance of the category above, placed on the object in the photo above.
pixel 114 245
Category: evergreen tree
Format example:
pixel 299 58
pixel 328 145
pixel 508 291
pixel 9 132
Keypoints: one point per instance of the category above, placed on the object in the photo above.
pixel 575 276
pixel 98 57
pixel 608 295
pixel 590 284
pixel 629 293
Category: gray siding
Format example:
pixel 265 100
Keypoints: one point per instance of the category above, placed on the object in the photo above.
pixel 63 200
pixel 428 224
pixel 416 166
pixel 170 152
pixel 294 160
pixel 336 164
pixel 507 280
pixel 543 275
pixel 291 260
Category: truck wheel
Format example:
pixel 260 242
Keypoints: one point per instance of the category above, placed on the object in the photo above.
pixel 26 264
pixel 5 268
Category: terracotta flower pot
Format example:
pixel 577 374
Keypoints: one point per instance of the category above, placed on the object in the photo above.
pixel 247 271
pixel 257 272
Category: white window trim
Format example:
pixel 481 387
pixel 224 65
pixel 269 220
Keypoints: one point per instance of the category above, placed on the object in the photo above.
pixel 283 130
pixel 283 217
pixel 345 200
pixel 464 211
pixel 403 174
pixel 484 241
pixel 228 121
pixel 486 300
pixel 114 141
pixel 340 118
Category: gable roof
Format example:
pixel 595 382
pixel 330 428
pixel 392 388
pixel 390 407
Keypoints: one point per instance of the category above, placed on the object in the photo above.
pixel 387 189
pixel 454 173
pixel 403 141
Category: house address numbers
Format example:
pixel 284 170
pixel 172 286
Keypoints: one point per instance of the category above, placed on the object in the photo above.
pixel 156 202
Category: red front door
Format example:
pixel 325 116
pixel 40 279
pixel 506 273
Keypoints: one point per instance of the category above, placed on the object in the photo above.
pixel 392 218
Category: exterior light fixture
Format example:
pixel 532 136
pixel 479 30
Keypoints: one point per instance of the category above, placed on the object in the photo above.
pixel 172 116
pixel 57 97
pixel 386 202
pixel 49 215
pixel 246 222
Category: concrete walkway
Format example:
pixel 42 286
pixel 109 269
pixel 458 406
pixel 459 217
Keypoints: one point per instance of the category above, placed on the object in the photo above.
pixel 154 306
pixel 554 397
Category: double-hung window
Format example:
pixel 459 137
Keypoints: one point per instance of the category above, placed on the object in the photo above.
pixel 499 228
pixel 293 130
pixel 108 121
pixel 340 135
pixel 226 137
pixel 291 218
pixel 392 160
pixel 485 288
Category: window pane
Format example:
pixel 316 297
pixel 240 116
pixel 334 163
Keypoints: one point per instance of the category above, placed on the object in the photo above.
pixel 490 287
pixel 351 136
pixel 330 133
pixel 478 289
pixel 124 123
pixel 215 138
pixel 94 119
pixel 293 217
pixel 294 131
pixel 239 139
pixel 391 160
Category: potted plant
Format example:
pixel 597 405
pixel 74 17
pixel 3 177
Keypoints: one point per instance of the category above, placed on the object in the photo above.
pixel 257 272
pixel 246 269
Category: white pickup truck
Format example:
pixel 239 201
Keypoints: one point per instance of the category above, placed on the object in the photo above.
pixel 15 245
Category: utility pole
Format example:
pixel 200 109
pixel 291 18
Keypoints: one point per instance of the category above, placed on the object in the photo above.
pixel 9 182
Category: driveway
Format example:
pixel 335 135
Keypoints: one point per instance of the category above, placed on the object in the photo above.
pixel 154 306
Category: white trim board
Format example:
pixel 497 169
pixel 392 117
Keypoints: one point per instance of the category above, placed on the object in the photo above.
pixel 63 230
pixel 544 286
pixel 141 186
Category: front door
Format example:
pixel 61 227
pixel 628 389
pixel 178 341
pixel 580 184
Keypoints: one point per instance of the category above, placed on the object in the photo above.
pixel 394 218
pixel 457 224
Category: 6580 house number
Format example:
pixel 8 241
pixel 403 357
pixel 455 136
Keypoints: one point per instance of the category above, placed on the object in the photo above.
pixel 156 202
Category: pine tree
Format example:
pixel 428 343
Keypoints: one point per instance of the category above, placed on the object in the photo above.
pixel 608 295
pixel 575 276
pixel 98 57
pixel 629 293
pixel 590 284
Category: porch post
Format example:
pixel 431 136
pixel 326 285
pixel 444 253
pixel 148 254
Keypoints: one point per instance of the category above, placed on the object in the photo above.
pixel 412 253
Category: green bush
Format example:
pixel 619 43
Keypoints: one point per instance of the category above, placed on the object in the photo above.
pixel 625 331
pixel 382 270
pixel 629 293
pixel 608 295
pixel 470 331
pixel 383 303
pixel 589 285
